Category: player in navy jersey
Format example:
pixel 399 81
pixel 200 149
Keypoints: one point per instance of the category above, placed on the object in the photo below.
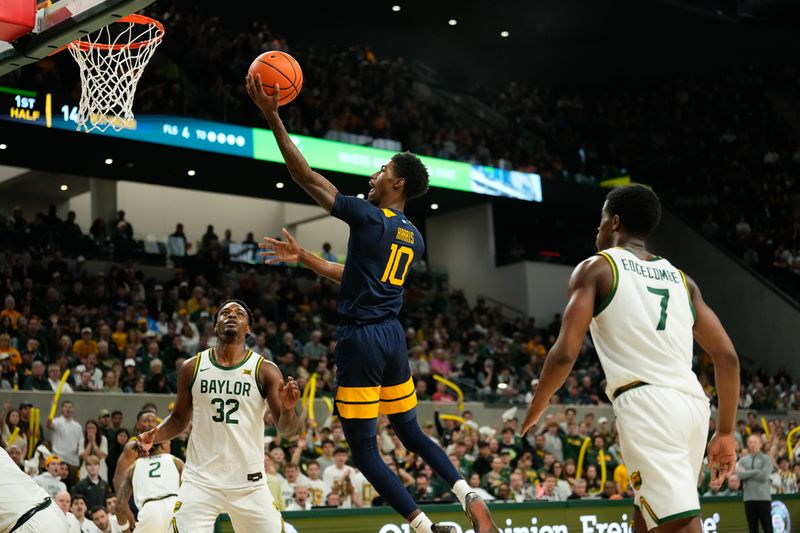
pixel 373 375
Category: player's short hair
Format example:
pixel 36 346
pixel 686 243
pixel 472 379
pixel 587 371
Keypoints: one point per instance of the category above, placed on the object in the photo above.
pixel 312 462
pixel 250 320
pixel 76 497
pixel 340 450
pixel 409 167
pixel 95 509
pixel 638 208
pixel 327 441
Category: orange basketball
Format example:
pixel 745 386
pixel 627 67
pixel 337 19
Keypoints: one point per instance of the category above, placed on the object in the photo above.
pixel 281 68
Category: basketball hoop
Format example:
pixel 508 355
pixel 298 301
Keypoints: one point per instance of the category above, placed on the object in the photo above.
pixel 111 63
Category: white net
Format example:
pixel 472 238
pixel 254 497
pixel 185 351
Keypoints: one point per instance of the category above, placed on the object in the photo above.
pixel 111 62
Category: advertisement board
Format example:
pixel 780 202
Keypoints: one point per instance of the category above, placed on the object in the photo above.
pixel 718 515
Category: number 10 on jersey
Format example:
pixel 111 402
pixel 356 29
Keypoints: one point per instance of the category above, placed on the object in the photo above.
pixel 393 265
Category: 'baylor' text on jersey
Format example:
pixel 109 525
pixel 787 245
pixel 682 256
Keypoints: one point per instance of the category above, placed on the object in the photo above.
pixel 643 329
pixel 226 446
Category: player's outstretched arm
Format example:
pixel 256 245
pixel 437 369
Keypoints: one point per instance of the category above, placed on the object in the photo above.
pixel 317 186
pixel 129 454
pixel 712 337
pixel 290 251
pixel 123 510
pixel 281 398
pixel 181 414
pixel 577 316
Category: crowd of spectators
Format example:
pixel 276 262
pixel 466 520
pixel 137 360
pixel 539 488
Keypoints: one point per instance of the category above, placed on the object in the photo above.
pixel 117 330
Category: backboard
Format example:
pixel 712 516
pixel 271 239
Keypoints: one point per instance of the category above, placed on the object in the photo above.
pixel 61 23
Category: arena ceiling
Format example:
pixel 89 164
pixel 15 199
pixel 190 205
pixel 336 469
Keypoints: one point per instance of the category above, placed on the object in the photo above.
pixel 552 41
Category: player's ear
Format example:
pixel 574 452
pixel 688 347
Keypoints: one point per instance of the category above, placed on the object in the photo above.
pixel 399 182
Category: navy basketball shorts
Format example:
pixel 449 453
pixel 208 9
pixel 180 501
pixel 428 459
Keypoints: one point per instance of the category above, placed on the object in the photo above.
pixel 372 372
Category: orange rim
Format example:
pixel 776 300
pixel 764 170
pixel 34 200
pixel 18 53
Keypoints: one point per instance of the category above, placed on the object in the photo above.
pixel 132 19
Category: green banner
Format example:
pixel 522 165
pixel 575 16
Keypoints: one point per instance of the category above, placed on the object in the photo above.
pixel 718 515
pixel 358 160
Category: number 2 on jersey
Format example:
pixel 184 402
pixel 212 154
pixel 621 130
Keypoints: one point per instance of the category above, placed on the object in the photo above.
pixel 393 265
pixel 664 293
pixel 154 468
pixel 221 415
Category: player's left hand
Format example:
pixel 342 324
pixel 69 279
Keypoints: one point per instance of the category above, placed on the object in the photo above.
pixel 145 441
pixel 721 457
pixel 530 420
pixel 267 103
pixel 288 393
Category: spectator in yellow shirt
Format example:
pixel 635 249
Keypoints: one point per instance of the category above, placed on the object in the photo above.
pixel 10 312
pixel 13 353
pixel 85 345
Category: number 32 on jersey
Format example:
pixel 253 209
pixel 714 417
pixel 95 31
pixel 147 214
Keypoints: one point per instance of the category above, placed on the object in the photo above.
pixel 397 256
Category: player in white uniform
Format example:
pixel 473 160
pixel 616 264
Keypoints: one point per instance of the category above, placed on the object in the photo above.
pixel 154 482
pixel 24 506
pixel 223 391
pixel 644 314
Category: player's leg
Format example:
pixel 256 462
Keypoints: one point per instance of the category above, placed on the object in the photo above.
pixel 663 450
pixel 360 361
pixel 751 513
pixel 253 509
pixel 195 510
pixel 52 519
pixel 398 400
pixel 765 515
pixel 155 516
pixel 639 525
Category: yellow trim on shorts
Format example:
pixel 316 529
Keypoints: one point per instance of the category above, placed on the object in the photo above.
pixel 357 410
pixel 358 394
pixel 399 406
pixel 646 507
pixel 397 391
pixel 174 526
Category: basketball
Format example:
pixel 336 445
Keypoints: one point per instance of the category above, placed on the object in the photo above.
pixel 281 68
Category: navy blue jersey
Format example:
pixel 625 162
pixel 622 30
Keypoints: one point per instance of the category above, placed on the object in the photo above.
pixel 382 246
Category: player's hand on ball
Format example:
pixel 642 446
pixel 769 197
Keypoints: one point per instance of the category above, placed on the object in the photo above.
pixel 288 393
pixel 145 442
pixel 267 103
pixel 276 251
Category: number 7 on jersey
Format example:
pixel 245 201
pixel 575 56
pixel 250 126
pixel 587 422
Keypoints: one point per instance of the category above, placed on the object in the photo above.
pixel 664 293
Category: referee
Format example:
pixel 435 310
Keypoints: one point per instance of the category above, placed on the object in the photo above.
pixel 754 470
pixel 24 506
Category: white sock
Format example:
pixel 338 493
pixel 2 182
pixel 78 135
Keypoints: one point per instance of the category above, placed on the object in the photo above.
pixel 461 489
pixel 421 523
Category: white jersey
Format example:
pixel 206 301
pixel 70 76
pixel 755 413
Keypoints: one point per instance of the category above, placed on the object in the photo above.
pixel 643 329
pixel 154 478
pixel 226 446
pixel 19 492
